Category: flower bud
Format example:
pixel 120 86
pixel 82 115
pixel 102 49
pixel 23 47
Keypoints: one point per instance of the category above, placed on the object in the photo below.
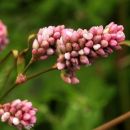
pixel 35 44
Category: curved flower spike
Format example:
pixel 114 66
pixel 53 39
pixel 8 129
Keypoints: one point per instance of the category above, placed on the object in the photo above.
pixel 76 47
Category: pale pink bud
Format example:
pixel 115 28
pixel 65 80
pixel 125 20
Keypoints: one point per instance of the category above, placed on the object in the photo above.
pixel 57 29
pixel 50 30
pixel 35 44
pixel 120 36
pixel 60 58
pixel 96 46
pixel 50 51
pixel 33 120
pixel 82 41
pixel 45 34
pixel 43 57
pixel 88 36
pixel 113 28
pixel 84 60
pixel 15 102
pixel 69 32
pixel 65 78
pixel 34 51
pixel 113 43
pixel 29 105
pixel 51 41
pixel 104 43
pixel 15 121
pixel 81 52
pixel 75 46
pixel 74 80
pixel 101 52
pixel 24 123
pixel 67 56
pixel 66 35
pixel 20 79
pixel 60 66
pixel 18 114
pixel 25 109
pixel 120 28
pixel 74 61
pixel 6 107
pixel 1 111
pixel 99 30
pixel 45 44
pixel 106 30
pixel 93 30
pixel 74 54
pixel 106 36
pixel 113 35
pixel 26 116
pixel 86 50
pixel 68 64
pixel 32 112
pixel 39 38
pixel 5 116
pixel 12 110
pixel 97 38
pixel 89 44
pixel 74 36
pixel 56 35
pixel 41 50
pixel 93 54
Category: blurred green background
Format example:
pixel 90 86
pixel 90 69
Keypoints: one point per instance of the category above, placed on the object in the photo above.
pixel 103 92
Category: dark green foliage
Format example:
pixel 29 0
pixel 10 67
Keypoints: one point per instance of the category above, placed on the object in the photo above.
pixel 101 88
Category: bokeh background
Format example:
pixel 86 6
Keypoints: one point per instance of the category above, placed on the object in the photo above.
pixel 103 92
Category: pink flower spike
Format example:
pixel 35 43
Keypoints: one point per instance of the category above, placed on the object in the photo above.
pixel 20 119
pixel 75 48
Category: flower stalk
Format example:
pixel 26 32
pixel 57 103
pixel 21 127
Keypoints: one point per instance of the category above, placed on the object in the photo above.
pixel 114 122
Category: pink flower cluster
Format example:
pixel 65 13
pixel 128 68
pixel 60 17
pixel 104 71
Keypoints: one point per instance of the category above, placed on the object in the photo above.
pixel 76 47
pixel 3 36
pixel 18 113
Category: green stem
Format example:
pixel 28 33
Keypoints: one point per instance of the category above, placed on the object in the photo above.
pixel 6 79
pixel 40 73
pixel 28 78
pixel 28 65
pixel 8 91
